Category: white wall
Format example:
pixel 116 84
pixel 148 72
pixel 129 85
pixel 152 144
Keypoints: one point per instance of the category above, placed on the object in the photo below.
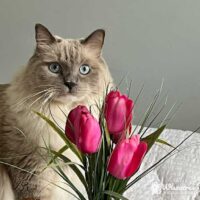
pixel 146 39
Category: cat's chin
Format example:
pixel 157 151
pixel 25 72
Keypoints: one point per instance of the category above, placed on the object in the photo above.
pixel 65 99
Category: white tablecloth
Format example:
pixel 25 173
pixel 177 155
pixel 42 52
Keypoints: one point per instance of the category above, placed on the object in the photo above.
pixel 176 179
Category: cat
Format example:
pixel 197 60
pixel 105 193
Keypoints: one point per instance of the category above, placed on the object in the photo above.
pixel 61 74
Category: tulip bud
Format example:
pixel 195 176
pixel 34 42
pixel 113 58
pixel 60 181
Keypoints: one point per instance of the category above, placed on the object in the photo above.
pixel 126 157
pixel 83 130
pixel 118 114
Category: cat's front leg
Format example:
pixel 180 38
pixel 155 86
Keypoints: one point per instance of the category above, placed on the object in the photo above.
pixel 29 179
pixel 6 191
pixel 46 185
pixel 35 187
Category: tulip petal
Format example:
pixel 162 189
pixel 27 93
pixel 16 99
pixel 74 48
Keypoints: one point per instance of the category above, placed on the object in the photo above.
pixel 73 121
pixel 118 137
pixel 121 157
pixel 90 135
pixel 69 131
pixel 113 94
pixel 110 107
pixel 137 159
pixel 129 111
pixel 126 157
pixel 83 130
pixel 117 116
pixel 118 160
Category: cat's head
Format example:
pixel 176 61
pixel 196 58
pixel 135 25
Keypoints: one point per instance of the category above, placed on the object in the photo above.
pixel 67 69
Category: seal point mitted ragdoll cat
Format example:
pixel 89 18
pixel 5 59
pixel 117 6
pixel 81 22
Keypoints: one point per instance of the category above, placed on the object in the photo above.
pixel 61 74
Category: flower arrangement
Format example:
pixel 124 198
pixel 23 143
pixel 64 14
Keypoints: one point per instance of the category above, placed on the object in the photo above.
pixel 109 151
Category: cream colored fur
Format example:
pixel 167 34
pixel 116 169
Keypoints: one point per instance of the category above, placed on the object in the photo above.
pixel 23 132
pixel 6 191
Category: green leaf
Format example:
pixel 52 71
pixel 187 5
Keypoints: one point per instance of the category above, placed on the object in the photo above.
pixel 149 111
pixel 164 142
pixel 73 167
pixel 151 139
pixel 57 154
pixel 102 165
pixel 62 135
pixel 115 195
pixel 65 178
pixel 107 134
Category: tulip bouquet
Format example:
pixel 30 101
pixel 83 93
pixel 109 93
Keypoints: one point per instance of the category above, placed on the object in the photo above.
pixel 110 152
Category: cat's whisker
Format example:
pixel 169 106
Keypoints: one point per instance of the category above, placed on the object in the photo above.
pixel 25 99
pixel 45 101
pixel 20 131
pixel 48 99
pixel 41 86
pixel 63 112
pixel 54 118
pixel 43 91
pixel 43 95
pixel 34 94
pixel 30 106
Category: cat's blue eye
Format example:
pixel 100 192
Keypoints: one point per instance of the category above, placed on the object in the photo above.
pixel 84 69
pixel 54 67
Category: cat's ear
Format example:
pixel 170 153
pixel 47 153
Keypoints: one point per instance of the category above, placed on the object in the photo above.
pixel 94 42
pixel 43 35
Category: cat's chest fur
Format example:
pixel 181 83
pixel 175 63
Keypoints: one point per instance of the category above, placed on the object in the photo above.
pixel 46 137
pixel 21 131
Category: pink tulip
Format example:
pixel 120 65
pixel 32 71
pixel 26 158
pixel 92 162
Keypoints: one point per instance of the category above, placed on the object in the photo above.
pixel 118 113
pixel 127 157
pixel 83 130
pixel 119 136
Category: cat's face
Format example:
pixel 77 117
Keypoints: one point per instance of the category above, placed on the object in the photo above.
pixel 65 70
